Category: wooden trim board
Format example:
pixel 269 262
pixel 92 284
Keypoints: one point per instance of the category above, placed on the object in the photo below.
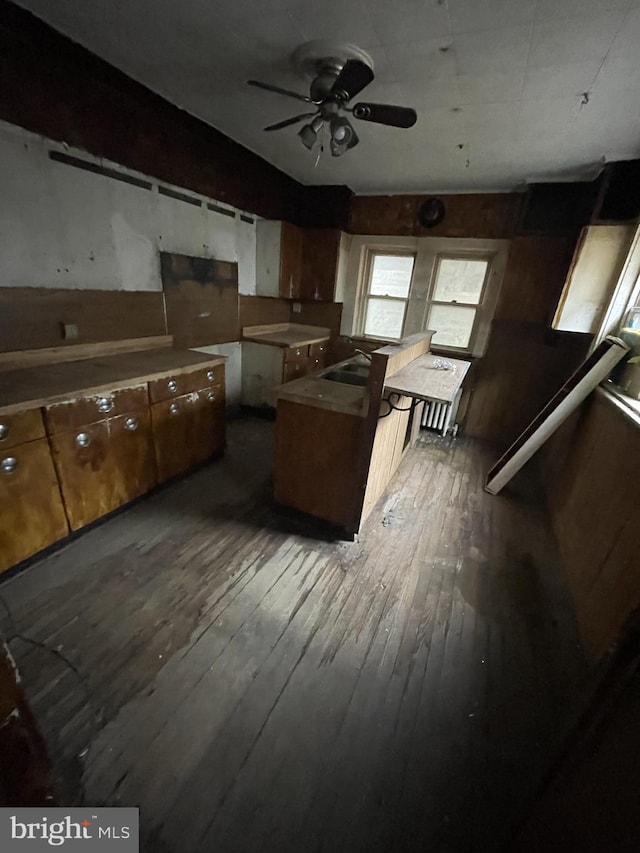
pixel 80 352
pixel 579 385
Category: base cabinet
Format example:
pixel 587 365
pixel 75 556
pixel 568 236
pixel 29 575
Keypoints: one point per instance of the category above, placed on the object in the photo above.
pixel 266 367
pixel 68 464
pixel 188 430
pixel 104 465
pixel 31 511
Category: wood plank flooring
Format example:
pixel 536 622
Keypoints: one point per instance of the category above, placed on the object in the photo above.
pixel 253 685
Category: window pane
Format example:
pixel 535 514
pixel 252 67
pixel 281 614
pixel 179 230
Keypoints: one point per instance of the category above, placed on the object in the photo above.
pixel 460 280
pixel 452 324
pixel 384 318
pixel 391 275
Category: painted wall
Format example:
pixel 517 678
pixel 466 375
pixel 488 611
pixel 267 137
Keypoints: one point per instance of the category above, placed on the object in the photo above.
pixel 68 228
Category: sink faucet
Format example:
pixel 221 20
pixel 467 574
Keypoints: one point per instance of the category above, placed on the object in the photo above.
pixel 365 354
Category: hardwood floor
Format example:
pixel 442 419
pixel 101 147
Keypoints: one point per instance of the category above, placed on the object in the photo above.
pixel 253 685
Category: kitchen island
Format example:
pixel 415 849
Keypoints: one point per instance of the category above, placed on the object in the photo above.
pixel 341 434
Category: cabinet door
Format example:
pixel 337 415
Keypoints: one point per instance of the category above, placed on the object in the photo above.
pixel 104 465
pixel 188 430
pixel 31 511
pixel 290 261
pixel 319 267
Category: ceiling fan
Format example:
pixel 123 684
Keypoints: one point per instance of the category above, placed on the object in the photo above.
pixel 338 73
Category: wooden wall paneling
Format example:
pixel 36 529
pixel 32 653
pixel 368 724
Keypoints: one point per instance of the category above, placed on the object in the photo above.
pixel 482 215
pixel 325 314
pixel 387 451
pixel 263 311
pixel 536 270
pixel 53 86
pixel 323 206
pixel 589 472
pixel 525 364
pixel 31 512
pixel 201 299
pixel 32 317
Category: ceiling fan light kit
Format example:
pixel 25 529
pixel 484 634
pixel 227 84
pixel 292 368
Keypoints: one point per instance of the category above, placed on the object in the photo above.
pixel 338 73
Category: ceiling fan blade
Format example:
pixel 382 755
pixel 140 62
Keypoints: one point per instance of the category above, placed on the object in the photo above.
pixel 279 91
pixel 355 75
pixel 289 121
pixel 386 114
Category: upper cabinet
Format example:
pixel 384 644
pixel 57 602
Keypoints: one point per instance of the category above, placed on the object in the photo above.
pixel 297 263
pixel 597 264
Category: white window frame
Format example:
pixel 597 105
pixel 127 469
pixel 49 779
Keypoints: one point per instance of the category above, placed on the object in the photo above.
pixel 427 250
pixel 366 295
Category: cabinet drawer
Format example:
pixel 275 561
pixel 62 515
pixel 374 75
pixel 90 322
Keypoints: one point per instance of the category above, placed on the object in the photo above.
pixel 74 414
pixel 184 383
pixel 20 428
pixel 31 511
pixel 295 369
pixel 292 354
pixel 318 350
pixel 316 362
pixel 104 465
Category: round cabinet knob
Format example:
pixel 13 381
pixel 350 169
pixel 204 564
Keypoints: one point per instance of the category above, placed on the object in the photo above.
pixel 172 385
pixel 9 464
pixel 211 395
pixel 105 404
pixel 131 424
pixel 4 431
pixel 174 408
pixel 210 375
pixel 83 439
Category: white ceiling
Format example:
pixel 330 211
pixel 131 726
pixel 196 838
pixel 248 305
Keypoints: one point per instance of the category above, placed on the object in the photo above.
pixel 502 78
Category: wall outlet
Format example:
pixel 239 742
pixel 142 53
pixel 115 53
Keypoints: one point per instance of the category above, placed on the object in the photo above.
pixel 69 331
pixel 297 308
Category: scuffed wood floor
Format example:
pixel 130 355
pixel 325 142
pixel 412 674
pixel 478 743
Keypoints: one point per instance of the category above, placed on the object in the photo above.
pixel 253 687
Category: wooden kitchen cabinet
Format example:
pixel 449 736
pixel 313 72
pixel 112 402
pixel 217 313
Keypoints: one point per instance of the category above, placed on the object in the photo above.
pixel 104 465
pixel 319 266
pixel 188 430
pixel 278 259
pixel 297 263
pixel 31 511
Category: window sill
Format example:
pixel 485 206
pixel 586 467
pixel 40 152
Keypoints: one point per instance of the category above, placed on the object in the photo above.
pixel 627 406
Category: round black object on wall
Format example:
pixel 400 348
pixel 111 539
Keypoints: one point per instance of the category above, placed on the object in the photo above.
pixel 431 212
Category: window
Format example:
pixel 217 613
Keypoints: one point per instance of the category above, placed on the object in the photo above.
pixel 458 289
pixel 387 294
pixel 398 286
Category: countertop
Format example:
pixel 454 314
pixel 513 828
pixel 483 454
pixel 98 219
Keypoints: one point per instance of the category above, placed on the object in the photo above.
pixel 422 379
pixel 31 387
pixel 324 394
pixel 286 334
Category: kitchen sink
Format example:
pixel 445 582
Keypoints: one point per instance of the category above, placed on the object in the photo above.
pixel 347 377
pixel 359 369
